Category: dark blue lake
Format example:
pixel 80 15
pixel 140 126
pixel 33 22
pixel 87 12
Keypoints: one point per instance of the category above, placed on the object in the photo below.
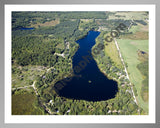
pixel 88 83
pixel 26 28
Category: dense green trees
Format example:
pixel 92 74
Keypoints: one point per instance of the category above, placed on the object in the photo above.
pixel 33 50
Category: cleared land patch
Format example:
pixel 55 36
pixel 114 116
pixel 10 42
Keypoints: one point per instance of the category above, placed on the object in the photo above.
pixel 84 22
pixel 137 15
pixel 49 23
pixel 143 67
pixel 111 50
pixel 136 36
pixel 138 32
pixel 24 76
pixel 24 103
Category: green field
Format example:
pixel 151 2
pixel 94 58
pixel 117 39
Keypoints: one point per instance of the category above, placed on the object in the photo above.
pixel 137 15
pixel 111 50
pixel 25 103
pixel 129 52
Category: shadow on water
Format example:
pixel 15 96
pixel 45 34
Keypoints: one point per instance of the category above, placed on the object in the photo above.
pixel 88 83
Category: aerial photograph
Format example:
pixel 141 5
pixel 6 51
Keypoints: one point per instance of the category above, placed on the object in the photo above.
pixel 80 63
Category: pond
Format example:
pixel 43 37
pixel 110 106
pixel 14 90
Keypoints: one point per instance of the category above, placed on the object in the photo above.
pixel 26 28
pixel 88 82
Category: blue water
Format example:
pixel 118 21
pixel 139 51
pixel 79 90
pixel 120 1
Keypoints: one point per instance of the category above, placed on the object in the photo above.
pixel 26 28
pixel 88 83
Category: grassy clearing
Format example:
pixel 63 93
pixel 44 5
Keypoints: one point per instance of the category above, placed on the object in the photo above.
pixel 143 68
pixel 136 36
pixel 129 50
pixel 84 22
pixel 111 50
pixel 25 104
pixel 49 23
pixel 134 29
pixel 24 76
pixel 139 32
pixel 137 15
pixel 60 46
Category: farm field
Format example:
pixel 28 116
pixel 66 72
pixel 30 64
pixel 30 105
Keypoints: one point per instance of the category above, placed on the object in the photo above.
pixel 129 50
pixel 127 16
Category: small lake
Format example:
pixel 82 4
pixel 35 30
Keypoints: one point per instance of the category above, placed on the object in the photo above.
pixel 22 28
pixel 88 83
pixel 26 28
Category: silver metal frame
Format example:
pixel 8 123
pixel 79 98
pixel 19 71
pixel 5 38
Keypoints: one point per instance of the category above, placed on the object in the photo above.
pixel 2 65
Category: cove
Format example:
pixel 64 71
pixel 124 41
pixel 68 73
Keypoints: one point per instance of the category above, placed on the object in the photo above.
pixel 88 82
